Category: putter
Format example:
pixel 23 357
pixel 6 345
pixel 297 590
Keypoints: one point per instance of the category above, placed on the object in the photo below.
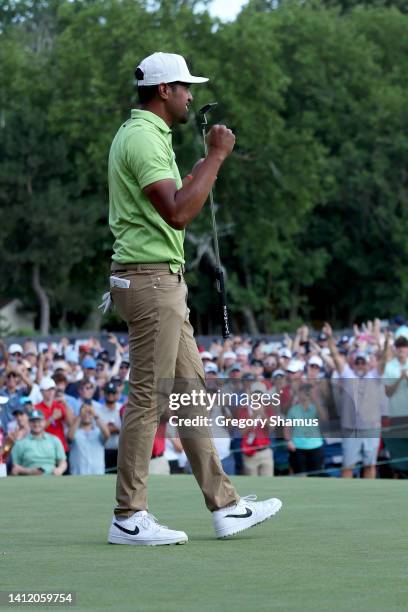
pixel 219 274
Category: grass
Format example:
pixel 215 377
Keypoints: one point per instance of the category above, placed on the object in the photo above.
pixel 335 544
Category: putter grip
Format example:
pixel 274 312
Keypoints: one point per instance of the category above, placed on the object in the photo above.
pixel 219 275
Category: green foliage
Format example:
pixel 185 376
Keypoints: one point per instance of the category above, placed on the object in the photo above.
pixel 313 201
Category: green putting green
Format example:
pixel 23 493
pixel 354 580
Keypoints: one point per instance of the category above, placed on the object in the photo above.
pixel 336 544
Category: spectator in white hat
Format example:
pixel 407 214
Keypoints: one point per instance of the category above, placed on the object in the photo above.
pixel 295 371
pixel 206 357
pixel 15 352
pixel 270 364
pixel 285 355
pixel 31 356
pixel 363 403
pixel 278 381
pixel 228 359
pixel 321 391
pixel 211 369
pixel 56 412
pixel 242 354
pixel 314 366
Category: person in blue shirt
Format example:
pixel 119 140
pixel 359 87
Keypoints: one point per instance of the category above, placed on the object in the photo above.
pixel 304 440
pixel 87 435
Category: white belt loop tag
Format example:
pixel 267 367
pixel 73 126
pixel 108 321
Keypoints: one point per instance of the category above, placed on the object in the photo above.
pixel 122 283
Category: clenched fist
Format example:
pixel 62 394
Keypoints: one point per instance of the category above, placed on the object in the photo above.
pixel 220 141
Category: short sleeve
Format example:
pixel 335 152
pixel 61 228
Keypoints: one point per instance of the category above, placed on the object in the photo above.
pixel 59 449
pixel 149 158
pixel 17 453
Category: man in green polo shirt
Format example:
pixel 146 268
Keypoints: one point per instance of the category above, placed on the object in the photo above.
pixel 39 452
pixel 149 207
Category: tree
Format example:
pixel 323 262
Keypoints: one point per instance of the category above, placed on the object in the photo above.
pixel 312 205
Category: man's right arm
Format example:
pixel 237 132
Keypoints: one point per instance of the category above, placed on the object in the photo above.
pixel 73 428
pixel 340 366
pixel 391 389
pixel 178 207
pixel 19 470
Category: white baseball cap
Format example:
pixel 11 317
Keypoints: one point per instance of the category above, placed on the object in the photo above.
pixel 361 355
pixel 47 383
pixel 316 360
pixel 211 368
pixel 15 348
pixel 229 355
pixel 241 350
pixel 278 373
pixel 164 68
pixel 258 387
pixel 285 352
pixel 60 364
pixel 295 366
pixel 206 355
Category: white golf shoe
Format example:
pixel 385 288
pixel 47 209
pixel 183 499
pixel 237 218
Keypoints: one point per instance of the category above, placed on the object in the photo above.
pixel 142 529
pixel 244 514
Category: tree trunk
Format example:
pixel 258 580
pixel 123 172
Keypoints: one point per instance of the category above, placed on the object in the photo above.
pixel 43 300
pixel 250 321
pixel 94 319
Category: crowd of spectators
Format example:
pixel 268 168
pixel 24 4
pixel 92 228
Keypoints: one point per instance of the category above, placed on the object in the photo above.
pixel 62 404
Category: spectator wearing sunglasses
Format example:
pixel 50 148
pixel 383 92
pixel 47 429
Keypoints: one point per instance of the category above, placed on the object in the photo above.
pixel 86 390
pixel 17 385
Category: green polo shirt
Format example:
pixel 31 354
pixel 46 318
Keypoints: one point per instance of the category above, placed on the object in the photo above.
pixel 33 452
pixel 141 154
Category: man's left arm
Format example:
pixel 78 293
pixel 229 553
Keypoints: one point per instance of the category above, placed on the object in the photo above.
pixel 384 407
pixel 61 467
pixel 67 413
pixel 25 377
pixel 60 458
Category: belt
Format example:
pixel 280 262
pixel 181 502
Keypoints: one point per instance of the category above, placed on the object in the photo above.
pixel 141 267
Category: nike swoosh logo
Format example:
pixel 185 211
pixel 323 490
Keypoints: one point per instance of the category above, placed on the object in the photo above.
pixel 245 515
pixel 135 531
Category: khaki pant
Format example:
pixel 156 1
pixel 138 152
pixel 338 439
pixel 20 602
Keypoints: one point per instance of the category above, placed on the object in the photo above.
pixel 260 464
pixel 161 347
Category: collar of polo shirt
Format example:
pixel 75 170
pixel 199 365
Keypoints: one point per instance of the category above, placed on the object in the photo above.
pixel 137 113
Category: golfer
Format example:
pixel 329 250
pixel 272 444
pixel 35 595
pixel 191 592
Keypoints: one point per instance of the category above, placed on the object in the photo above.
pixel 150 206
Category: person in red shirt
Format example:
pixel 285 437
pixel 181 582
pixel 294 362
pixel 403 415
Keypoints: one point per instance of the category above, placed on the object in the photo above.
pixel 159 464
pixel 55 411
pixel 255 445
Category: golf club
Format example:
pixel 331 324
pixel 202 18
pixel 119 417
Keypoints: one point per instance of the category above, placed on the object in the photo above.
pixel 219 274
